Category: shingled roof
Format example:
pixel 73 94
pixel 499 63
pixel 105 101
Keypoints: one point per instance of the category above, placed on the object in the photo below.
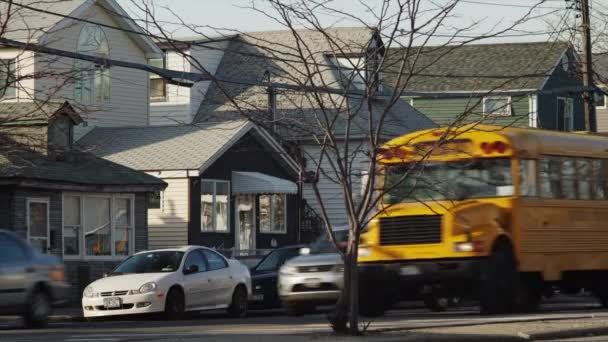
pixel 250 56
pixel 156 148
pixel 478 68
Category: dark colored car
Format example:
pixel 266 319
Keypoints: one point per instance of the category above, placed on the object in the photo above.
pixel 30 282
pixel 265 274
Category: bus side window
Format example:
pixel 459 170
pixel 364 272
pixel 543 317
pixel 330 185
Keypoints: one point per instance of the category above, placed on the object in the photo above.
pixel 550 178
pixel 600 175
pixel 584 176
pixel 568 179
pixel 527 177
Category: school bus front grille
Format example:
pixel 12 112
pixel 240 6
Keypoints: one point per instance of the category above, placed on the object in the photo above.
pixel 410 230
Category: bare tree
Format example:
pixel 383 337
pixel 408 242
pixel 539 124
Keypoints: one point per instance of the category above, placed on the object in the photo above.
pixel 324 91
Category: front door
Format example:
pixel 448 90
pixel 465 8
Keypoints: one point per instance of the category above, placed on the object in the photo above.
pixel 38 223
pixel 245 224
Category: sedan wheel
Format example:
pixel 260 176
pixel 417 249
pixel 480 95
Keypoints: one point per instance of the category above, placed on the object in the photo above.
pixel 238 307
pixel 174 306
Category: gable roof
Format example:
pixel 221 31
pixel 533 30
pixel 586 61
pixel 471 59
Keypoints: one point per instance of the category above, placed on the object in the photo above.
pixel 249 56
pixel 31 23
pixel 156 148
pixel 35 112
pixel 23 165
pixel 478 68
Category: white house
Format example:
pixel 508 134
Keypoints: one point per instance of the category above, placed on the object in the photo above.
pixel 105 96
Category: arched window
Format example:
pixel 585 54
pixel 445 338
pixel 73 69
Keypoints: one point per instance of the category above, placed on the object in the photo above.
pixel 92 80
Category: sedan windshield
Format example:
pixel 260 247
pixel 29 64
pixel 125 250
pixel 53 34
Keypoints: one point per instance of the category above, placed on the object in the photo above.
pixel 448 181
pixel 151 262
pixel 276 259
pixel 324 245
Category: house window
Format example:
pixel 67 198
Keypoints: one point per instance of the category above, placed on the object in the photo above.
pixel 155 200
pixel 565 109
pixel 92 83
pixel 273 214
pixel 215 206
pixel 8 77
pixel 158 85
pixel 497 106
pixel 353 71
pixel 600 100
pixel 98 225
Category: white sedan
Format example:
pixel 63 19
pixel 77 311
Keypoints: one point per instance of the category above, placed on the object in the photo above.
pixel 170 281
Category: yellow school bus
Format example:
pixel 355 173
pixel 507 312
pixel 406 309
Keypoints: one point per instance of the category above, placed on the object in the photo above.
pixel 504 214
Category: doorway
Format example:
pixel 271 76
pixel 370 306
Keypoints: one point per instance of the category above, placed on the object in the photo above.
pixel 245 224
pixel 38 223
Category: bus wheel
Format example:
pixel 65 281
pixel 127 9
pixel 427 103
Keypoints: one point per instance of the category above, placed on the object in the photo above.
pixel 372 301
pixel 436 303
pixel 499 280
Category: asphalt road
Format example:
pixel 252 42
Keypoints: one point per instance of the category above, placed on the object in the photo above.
pixel 560 321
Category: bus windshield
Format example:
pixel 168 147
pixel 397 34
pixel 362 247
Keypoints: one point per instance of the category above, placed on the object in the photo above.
pixel 458 180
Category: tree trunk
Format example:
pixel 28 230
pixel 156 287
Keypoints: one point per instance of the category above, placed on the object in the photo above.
pixel 353 322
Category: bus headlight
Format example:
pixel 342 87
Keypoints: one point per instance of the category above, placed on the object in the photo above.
pixel 364 252
pixel 463 247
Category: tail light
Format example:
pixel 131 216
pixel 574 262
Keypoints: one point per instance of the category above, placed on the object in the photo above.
pixel 491 147
pixel 57 274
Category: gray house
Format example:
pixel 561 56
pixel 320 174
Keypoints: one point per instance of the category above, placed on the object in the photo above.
pixel 90 212
pixel 517 84
pixel 230 184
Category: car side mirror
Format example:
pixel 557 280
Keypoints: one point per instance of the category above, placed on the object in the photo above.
pixel 191 269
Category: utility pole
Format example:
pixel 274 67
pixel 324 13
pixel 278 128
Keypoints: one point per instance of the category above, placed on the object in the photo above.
pixel 589 94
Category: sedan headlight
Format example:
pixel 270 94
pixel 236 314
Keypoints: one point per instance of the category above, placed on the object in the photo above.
pixel 148 287
pixel 89 292
pixel 288 269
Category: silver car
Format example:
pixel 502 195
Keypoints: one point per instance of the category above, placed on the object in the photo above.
pixel 314 278
pixel 30 282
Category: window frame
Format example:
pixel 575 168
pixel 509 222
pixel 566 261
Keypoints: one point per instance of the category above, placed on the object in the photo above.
pixel 43 200
pixel 153 76
pixel 81 242
pixel 88 73
pixel 568 103
pixel 272 216
pixel 603 96
pixel 13 62
pixel 214 206
pixel 161 207
pixel 509 110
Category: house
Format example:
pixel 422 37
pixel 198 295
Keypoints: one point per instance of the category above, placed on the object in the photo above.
pixel 103 95
pixel 250 58
pixel 88 211
pixel 600 68
pixel 230 184
pixel 517 84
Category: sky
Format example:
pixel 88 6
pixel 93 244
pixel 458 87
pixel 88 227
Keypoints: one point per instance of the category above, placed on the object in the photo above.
pixel 489 14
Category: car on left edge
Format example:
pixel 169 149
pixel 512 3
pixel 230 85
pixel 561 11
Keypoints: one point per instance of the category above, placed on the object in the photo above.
pixel 31 283
pixel 171 282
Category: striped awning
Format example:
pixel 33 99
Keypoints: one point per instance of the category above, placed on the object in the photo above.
pixel 259 183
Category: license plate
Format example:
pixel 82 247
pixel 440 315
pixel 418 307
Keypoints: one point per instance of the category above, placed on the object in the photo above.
pixel 112 303
pixel 312 282
pixel 409 270
pixel 257 297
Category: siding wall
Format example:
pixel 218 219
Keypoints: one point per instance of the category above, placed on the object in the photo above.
pixel 602 119
pixel 331 192
pixel 444 111
pixel 129 95
pixel 168 226
pixel 182 103
pixel 547 103
pixel 24 67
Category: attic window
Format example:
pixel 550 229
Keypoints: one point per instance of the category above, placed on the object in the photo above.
pixel 92 83
pixel 7 79
pixel 497 106
pixel 158 85
pixel 353 71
